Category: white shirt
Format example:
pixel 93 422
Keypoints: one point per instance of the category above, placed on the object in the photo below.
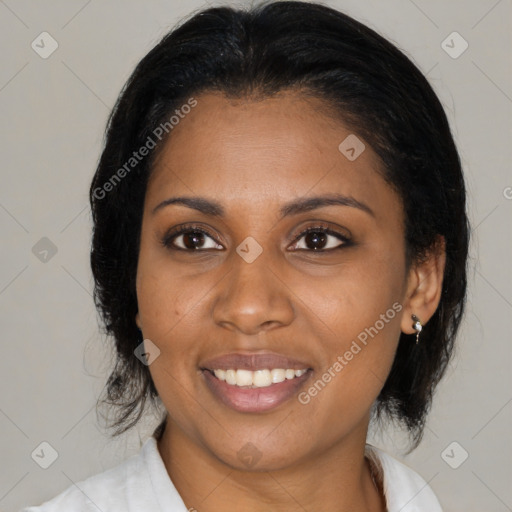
pixel 141 484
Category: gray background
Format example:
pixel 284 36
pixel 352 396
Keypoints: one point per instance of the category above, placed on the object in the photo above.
pixel 54 361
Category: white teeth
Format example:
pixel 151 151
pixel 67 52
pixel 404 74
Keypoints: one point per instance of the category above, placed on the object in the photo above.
pixel 258 378
pixel 289 374
pixel 261 378
pixel 244 378
pixel 231 377
pixel 278 375
pixel 220 374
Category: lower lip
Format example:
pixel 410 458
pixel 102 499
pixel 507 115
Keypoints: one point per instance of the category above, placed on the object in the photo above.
pixel 254 399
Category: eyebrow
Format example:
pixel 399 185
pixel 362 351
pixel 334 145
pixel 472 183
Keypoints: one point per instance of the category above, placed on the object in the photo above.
pixel 215 209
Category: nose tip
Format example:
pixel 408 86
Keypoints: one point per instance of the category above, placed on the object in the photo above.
pixel 252 299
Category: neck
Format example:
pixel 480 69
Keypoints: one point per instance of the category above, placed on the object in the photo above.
pixel 339 479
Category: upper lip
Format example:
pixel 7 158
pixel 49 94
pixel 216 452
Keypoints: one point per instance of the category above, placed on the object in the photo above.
pixel 253 361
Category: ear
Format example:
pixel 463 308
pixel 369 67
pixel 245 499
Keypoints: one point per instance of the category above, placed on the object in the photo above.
pixel 424 286
pixel 137 321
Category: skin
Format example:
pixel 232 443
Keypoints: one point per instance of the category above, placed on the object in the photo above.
pixel 252 157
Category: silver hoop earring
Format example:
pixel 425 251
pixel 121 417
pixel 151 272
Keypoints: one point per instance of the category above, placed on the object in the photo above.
pixel 417 327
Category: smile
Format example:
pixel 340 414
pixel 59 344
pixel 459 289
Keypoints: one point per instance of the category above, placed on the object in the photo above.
pixel 259 378
pixel 255 391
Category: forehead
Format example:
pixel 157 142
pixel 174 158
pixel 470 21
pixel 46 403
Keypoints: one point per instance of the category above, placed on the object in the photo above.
pixel 257 152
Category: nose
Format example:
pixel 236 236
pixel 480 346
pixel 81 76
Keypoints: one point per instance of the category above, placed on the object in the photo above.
pixel 253 297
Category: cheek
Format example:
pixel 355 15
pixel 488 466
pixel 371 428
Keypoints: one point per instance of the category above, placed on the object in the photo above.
pixel 171 309
pixel 358 311
pixel 169 315
pixel 355 295
pixel 166 308
pixel 162 299
pixel 355 366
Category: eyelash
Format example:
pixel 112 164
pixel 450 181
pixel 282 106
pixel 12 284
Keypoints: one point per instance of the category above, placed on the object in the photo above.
pixel 191 228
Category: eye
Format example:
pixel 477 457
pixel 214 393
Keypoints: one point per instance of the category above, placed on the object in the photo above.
pixel 316 238
pixel 190 237
pixel 193 238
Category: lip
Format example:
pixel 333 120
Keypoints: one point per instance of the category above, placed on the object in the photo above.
pixel 253 361
pixel 253 399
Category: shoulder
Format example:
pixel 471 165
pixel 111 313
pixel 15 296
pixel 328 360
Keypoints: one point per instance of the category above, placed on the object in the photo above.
pixel 103 491
pixel 405 490
pixel 139 484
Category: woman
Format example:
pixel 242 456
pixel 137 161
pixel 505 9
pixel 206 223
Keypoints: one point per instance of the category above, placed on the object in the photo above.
pixel 279 252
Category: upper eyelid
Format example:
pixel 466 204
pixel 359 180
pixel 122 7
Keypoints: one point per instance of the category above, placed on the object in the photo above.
pixel 329 231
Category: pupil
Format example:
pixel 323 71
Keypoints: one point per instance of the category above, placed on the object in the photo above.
pixel 192 239
pixel 315 237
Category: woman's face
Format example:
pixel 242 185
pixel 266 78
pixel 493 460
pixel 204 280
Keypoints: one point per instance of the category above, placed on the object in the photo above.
pixel 255 286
